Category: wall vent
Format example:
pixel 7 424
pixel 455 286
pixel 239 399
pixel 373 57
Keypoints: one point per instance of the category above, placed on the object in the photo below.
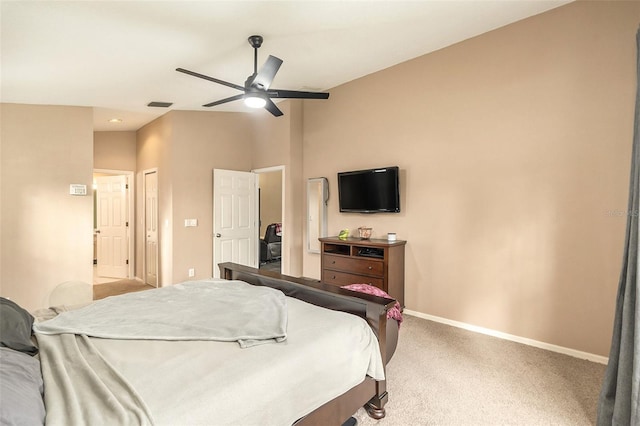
pixel 160 104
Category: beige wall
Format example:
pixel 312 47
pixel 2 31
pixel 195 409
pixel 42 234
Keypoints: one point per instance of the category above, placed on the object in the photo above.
pixel 114 151
pixel 153 152
pixel 46 234
pixel 278 142
pixel 202 141
pixel 295 208
pixel 513 146
pixel 185 147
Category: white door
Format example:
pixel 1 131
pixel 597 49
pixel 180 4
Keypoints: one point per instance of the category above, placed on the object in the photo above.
pixel 112 233
pixel 235 230
pixel 151 228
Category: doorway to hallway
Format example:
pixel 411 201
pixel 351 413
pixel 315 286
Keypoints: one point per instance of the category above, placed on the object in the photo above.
pixel 271 217
pixel 113 225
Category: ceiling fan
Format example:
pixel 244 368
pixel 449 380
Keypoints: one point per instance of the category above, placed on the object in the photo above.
pixel 257 91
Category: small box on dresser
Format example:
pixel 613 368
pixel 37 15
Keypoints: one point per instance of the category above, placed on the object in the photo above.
pixel 373 261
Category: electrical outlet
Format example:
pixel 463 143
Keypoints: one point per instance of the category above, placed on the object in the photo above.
pixel 192 272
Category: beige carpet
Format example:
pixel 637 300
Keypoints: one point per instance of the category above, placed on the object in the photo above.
pixel 100 291
pixel 442 375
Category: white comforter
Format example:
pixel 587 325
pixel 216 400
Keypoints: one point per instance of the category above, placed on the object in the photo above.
pixel 205 382
pixel 196 310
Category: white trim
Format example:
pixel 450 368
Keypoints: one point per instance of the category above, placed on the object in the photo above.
pixel 268 169
pixel 286 261
pixel 143 222
pixel 530 342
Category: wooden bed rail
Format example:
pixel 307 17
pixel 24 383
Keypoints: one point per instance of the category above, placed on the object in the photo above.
pixel 372 394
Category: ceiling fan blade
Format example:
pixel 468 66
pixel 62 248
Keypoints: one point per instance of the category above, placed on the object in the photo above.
pixel 272 108
pixel 206 77
pixel 224 101
pixel 294 94
pixel 265 76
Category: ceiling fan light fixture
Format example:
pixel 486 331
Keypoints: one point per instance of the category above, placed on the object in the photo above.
pixel 254 101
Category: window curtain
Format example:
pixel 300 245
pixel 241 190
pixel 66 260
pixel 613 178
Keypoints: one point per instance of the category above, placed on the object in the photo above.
pixel 619 403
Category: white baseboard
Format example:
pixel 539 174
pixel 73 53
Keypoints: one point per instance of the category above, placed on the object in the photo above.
pixel 542 345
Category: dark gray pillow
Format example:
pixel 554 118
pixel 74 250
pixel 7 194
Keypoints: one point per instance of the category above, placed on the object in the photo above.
pixel 16 327
pixel 21 389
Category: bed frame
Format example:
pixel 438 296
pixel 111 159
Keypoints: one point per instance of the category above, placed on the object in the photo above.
pixel 370 394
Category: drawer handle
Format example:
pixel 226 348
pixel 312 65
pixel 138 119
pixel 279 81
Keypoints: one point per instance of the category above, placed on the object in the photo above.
pixel 334 277
pixel 333 262
pixel 370 267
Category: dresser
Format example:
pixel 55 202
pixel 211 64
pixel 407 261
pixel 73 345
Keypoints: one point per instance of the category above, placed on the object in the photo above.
pixel 375 261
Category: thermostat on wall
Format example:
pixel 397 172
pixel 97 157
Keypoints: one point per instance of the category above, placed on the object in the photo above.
pixel 77 189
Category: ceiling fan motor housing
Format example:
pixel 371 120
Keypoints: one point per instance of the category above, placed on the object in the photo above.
pixel 255 41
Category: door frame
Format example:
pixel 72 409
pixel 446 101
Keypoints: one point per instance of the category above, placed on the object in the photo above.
pixel 131 229
pixel 143 223
pixel 284 266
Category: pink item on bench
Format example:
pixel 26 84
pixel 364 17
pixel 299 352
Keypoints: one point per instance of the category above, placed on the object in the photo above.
pixel 394 312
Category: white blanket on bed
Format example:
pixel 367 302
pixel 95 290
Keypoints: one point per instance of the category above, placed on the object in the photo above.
pixel 107 381
pixel 83 388
pixel 197 310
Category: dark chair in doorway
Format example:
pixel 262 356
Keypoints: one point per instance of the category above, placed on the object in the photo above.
pixel 271 244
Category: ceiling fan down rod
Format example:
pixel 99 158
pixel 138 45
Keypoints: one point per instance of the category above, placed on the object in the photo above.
pixel 255 41
pixel 255 60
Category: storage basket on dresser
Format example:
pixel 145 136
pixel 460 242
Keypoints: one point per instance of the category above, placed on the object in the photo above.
pixel 375 261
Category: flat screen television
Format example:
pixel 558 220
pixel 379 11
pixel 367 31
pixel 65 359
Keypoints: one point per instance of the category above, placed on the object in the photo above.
pixel 369 191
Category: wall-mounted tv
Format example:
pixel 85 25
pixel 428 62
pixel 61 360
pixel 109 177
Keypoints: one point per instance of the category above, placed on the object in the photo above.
pixel 369 191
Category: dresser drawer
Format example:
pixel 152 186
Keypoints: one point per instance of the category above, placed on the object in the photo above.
pixel 357 266
pixel 344 278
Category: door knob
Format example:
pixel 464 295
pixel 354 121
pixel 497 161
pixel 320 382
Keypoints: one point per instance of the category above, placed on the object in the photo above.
pixel 218 235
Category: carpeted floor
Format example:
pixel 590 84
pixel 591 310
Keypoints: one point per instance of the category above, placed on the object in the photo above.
pixel 274 265
pixel 100 291
pixel 442 375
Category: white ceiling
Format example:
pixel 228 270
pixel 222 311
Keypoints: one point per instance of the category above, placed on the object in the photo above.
pixel 118 56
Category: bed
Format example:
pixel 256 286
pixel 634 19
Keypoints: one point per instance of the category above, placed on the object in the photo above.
pixel 311 354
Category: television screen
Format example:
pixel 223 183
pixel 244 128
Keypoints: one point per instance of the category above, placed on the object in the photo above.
pixel 369 191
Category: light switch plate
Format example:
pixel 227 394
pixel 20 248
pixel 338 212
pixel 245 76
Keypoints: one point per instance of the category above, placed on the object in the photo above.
pixel 190 222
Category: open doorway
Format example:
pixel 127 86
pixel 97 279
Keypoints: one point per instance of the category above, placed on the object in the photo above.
pixel 271 217
pixel 113 223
